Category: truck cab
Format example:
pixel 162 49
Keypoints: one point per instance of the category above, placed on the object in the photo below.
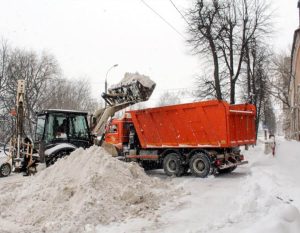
pixel 118 132
pixel 58 132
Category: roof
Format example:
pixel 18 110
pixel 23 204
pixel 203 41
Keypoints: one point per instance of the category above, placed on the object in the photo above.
pixel 45 111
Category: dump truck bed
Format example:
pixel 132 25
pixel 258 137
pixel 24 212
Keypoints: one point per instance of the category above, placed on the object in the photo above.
pixel 206 124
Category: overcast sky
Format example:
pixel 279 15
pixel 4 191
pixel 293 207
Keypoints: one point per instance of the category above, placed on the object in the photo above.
pixel 89 36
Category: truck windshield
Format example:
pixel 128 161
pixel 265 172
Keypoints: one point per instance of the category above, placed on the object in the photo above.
pixel 40 128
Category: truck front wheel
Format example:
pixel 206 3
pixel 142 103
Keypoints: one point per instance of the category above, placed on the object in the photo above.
pixel 173 165
pixel 200 165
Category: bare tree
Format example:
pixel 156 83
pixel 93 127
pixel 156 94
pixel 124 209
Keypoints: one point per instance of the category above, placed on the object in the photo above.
pixel 280 79
pixel 71 94
pixel 256 82
pixel 223 29
pixel 269 118
pixel 5 119
pixel 279 85
pixel 4 60
pixel 45 88
pixel 205 32
pixel 244 21
pixel 168 98
pixel 206 89
pixel 37 71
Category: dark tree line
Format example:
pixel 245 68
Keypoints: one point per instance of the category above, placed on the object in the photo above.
pixel 45 87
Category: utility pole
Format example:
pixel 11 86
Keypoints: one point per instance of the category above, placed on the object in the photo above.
pixel 115 65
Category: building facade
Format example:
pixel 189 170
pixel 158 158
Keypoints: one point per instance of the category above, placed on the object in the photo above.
pixel 294 91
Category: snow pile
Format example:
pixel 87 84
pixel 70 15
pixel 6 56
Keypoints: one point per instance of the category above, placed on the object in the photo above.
pixel 132 77
pixel 85 189
pixel 269 198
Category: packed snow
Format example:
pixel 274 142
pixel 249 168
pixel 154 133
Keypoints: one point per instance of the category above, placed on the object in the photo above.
pixel 88 188
pixel 131 77
pixel 92 192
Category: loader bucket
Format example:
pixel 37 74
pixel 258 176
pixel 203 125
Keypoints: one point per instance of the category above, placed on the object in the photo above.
pixel 133 88
pixel 111 149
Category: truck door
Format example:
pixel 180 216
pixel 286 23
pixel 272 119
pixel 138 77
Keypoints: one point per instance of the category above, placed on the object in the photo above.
pixel 112 134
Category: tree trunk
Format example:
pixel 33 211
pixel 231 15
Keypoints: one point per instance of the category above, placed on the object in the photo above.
pixel 232 91
pixel 216 71
pixel 249 92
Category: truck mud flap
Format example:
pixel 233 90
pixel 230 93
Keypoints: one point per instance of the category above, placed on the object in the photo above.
pixel 225 166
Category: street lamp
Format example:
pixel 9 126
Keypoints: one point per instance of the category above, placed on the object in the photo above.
pixel 115 65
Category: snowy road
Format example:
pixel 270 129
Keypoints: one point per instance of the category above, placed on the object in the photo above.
pixel 260 197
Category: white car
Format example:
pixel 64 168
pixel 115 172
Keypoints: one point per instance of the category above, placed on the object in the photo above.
pixel 5 163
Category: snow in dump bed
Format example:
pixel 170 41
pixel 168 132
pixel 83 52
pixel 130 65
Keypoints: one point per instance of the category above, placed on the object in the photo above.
pixel 85 189
pixel 131 77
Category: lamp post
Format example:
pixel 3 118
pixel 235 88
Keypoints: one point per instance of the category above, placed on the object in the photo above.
pixel 115 65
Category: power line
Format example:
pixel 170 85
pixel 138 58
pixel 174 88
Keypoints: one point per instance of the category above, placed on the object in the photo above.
pixel 180 13
pixel 162 18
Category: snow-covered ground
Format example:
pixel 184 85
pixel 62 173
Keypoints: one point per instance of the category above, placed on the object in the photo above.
pixel 261 197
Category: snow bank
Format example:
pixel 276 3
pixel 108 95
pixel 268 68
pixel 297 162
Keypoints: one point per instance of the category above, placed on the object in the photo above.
pixel 261 197
pixel 283 219
pixel 269 198
pixel 83 190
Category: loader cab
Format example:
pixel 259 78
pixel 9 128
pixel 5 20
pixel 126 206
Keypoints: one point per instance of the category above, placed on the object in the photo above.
pixel 61 126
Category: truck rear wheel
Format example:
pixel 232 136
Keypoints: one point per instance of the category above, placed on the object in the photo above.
pixel 173 165
pixel 200 165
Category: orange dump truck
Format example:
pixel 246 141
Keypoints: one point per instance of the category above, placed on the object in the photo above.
pixel 203 137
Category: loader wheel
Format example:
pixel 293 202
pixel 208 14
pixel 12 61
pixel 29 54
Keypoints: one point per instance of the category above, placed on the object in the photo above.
pixel 173 165
pixel 5 170
pixel 200 165
pixel 57 156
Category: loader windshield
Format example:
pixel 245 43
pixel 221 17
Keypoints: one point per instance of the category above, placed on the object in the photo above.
pixel 57 127
pixel 78 127
pixel 65 127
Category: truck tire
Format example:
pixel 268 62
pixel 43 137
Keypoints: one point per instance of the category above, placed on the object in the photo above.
pixel 173 165
pixel 5 169
pixel 200 165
